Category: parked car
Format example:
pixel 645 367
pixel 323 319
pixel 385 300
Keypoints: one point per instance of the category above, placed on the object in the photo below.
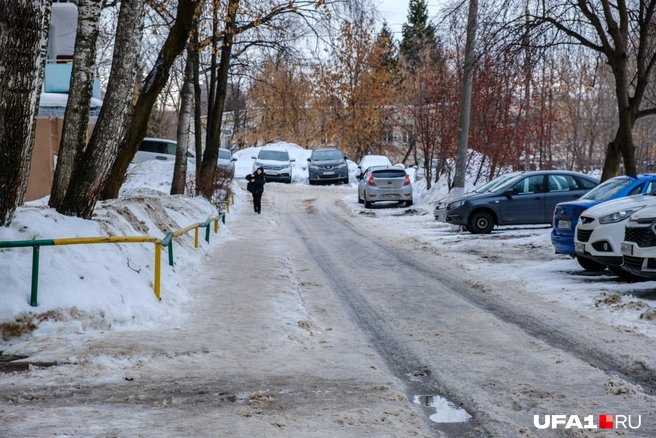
pixel 440 208
pixel 384 183
pixel 639 245
pixel 566 214
pixel 328 165
pixel 372 160
pixel 600 232
pixel 226 161
pixel 276 164
pixel 528 198
pixel 158 149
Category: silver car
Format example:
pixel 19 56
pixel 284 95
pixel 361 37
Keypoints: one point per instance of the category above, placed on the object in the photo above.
pixel 226 161
pixel 384 183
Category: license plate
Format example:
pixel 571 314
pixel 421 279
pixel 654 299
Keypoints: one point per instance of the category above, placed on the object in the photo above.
pixel 579 247
pixel 271 172
pixel 390 197
pixel 329 173
pixel 565 224
pixel 626 249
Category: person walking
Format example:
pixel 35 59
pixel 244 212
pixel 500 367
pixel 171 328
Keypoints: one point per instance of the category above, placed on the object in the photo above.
pixel 255 185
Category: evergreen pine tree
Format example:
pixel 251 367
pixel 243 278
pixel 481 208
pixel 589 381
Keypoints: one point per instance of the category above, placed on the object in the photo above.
pixel 418 33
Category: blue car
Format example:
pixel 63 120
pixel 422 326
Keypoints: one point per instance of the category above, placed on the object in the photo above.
pixel 566 214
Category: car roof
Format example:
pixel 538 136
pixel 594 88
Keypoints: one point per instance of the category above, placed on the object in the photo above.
pixel 383 167
pixel 327 149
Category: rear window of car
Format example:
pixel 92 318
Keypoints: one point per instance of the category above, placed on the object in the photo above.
pixel 608 189
pixel 157 146
pixel 388 173
pixel 273 155
pixel 226 155
pixel 327 155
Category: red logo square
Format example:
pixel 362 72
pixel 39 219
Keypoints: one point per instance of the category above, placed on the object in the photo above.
pixel 605 422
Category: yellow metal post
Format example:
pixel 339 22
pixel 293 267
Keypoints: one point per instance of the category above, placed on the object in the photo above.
pixel 232 196
pixel 228 207
pixel 158 258
pixel 196 237
pixel 216 226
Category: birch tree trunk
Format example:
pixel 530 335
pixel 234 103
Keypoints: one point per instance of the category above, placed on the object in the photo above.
pixel 184 120
pixel 205 184
pixel 95 163
pixel 76 118
pixel 24 28
pixel 153 85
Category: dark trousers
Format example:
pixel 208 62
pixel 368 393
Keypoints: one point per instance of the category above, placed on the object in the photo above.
pixel 257 202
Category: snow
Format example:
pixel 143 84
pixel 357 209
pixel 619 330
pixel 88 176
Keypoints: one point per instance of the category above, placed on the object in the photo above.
pixel 104 293
pixel 112 284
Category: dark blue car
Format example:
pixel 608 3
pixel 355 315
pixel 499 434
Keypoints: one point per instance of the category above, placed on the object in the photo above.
pixel 566 215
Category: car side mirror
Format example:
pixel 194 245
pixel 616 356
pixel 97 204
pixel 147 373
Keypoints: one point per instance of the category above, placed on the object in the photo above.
pixel 293 160
pixel 345 157
pixel 309 159
pixel 358 177
pixel 253 157
pixel 234 159
pixel 509 193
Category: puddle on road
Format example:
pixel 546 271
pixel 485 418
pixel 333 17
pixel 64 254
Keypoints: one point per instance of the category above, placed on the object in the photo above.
pixel 445 411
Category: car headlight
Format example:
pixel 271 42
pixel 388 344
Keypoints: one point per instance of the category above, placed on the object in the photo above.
pixel 314 167
pixel 618 216
pixel 339 166
pixel 455 204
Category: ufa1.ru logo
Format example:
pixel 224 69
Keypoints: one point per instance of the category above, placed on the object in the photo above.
pixel 606 421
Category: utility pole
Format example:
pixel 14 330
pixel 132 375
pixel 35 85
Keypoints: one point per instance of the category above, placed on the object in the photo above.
pixel 465 101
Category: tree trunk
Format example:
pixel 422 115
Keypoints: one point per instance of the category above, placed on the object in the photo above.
pixel 622 145
pixel 205 184
pixel 24 39
pixel 198 105
pixel 184 119
pixel 96 161
pixel 153 85
pixel 76 118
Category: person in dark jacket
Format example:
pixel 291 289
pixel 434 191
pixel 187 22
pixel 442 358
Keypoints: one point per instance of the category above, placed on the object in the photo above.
pixel 255 185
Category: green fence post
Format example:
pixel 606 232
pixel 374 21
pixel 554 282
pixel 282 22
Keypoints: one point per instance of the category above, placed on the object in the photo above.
pixel 171 253
pixel 35 276
pixel 207 232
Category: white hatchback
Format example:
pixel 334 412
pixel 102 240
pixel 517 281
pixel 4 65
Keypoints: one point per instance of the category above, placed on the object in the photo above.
pixel 600 230
pixel 158 149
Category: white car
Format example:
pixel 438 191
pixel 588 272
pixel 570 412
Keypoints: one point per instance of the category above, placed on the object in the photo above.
pixel 372 160
pixel 600 231
pixel 226 161
pixel 639 245
pixel 159 149
pixel 276 164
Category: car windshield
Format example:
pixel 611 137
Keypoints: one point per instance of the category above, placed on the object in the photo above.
pixel 608 189
pixel 327 155
pixel 491 185
pixel 225 155
pixel 273 155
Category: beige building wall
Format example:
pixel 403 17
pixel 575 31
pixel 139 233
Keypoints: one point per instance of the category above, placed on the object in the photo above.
pixel 46 146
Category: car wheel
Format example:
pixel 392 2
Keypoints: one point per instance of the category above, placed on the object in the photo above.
pixel 345 181
pixel 311 182
pixel 481 222
pixel 408 203
pixel 590 265
pixel 367 204
pixel 360 200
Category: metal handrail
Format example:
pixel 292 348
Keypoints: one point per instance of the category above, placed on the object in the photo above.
pixel 159 243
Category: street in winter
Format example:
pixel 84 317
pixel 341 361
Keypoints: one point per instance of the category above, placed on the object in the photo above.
pixel 317 317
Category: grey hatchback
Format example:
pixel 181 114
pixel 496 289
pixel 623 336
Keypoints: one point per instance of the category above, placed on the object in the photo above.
pixel 528 198
pixel 384 183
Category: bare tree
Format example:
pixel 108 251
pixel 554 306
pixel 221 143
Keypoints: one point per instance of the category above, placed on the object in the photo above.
pixel 23 38
pixel 91 171
pixel 623 33
pixel 184 119
pixel 76 118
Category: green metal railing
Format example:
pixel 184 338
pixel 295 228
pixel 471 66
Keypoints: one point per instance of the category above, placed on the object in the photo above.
pixel 159 243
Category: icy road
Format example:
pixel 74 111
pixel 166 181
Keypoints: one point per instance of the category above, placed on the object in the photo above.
pixel 322 319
